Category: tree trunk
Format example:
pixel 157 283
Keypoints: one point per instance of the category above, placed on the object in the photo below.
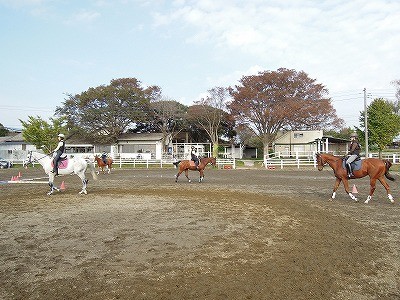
pixel 215 150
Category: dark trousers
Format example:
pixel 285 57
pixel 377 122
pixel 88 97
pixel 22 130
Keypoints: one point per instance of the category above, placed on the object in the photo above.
pixel 55 161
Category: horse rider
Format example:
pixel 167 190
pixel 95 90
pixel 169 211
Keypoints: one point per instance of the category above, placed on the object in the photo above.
pixel 354 153
pixel 104 157
pixel 58 152
pixel 195 157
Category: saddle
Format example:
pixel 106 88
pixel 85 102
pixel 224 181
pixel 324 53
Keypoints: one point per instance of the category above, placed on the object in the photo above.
pixel 62 163
pixel 355 165
pixel 192 163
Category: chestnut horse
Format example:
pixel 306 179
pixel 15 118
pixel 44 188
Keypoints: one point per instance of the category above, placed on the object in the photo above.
pixel 377 169
pixel 102 165
pixel 186 165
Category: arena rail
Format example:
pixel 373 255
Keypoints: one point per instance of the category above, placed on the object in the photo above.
pixel 147 163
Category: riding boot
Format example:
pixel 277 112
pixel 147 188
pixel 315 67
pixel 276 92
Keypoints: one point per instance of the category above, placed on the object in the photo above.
pixel 349 171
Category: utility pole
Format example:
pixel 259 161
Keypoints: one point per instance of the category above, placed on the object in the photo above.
pixel 366 123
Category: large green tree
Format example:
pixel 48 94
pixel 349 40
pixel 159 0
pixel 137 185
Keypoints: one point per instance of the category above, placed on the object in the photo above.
pixel 102 113
pixel 285 99
pixel 382 122
pixel 41 133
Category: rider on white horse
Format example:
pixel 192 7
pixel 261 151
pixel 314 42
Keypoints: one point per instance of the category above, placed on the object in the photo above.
pixel 58 152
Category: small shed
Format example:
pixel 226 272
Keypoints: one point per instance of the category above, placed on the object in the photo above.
pixel 141 145
pixel 14 148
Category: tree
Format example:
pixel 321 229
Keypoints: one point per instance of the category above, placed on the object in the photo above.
pixel 168 117
pixel 210 114
pixel 3 131
pixel 396 83
pixel 41 133
pixel 281 100
pixel 383 123
pixel 101 114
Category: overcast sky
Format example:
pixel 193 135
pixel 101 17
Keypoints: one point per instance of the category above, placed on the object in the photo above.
pixel 53 47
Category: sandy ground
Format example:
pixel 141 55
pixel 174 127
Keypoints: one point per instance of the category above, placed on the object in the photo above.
pixel 241 234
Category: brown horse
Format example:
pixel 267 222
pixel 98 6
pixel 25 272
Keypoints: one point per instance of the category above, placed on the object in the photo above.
pixel 186 165
pixel 102 165
pixel 377 169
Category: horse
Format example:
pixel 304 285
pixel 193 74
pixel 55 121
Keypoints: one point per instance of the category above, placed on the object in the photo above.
pixel 102 165
pixel 76 165
pixel 377 169
pixel 186 165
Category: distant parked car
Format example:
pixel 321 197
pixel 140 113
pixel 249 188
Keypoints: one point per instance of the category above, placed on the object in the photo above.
pixel 5 164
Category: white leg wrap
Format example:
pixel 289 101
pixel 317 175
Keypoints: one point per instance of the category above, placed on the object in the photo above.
pixel 368 199
pixel 353 197
pixel 333 195
pixel 391 198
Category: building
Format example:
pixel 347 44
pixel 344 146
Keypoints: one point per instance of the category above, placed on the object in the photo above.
pixel 304 143
pixel 14 148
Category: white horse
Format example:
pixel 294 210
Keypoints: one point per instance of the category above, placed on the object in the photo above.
pixel 75 165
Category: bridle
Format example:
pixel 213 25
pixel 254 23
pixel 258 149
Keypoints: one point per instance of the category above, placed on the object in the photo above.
pixel 30 161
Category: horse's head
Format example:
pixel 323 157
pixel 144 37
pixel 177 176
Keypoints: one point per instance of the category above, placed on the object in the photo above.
pixel 28 159
pixel 213 161
pixel 320 161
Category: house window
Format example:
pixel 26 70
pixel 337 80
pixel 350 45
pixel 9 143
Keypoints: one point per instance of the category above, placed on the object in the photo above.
pixel 297 135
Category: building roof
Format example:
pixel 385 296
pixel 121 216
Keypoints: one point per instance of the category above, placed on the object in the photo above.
pixel 140 137
pixel 335 140
pixel 13 139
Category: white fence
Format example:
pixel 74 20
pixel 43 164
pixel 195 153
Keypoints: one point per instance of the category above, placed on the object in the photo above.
pixel 222 163
pixel 311 162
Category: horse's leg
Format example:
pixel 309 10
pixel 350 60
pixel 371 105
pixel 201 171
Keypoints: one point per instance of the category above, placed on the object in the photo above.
pixel 335 187
pixel 372 187
pixel 386 185
pixel 347 189
pixel 51 184
pixel 187 175
pixel 201 175
pixel 84 182
pixel 177 175
pixel 372 184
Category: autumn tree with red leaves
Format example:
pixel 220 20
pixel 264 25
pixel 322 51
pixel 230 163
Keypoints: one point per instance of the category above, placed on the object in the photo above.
pixel 272 101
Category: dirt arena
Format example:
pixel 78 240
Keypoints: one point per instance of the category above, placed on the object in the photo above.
pixel 241 234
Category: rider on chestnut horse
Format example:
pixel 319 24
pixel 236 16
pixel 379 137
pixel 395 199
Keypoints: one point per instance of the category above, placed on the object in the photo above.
pixel 354 153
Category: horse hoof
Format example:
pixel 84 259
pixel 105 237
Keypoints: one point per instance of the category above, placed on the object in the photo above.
pixel 83 192
pixel 190 181
pixel 49 193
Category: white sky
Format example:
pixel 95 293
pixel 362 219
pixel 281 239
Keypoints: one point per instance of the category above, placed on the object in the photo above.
pixel 53 47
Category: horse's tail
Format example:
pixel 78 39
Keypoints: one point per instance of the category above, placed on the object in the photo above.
pixel 388 164
pixel 176 163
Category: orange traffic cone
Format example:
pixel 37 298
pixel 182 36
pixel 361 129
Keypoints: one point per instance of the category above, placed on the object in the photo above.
pixel 354 191
pixel 62 186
